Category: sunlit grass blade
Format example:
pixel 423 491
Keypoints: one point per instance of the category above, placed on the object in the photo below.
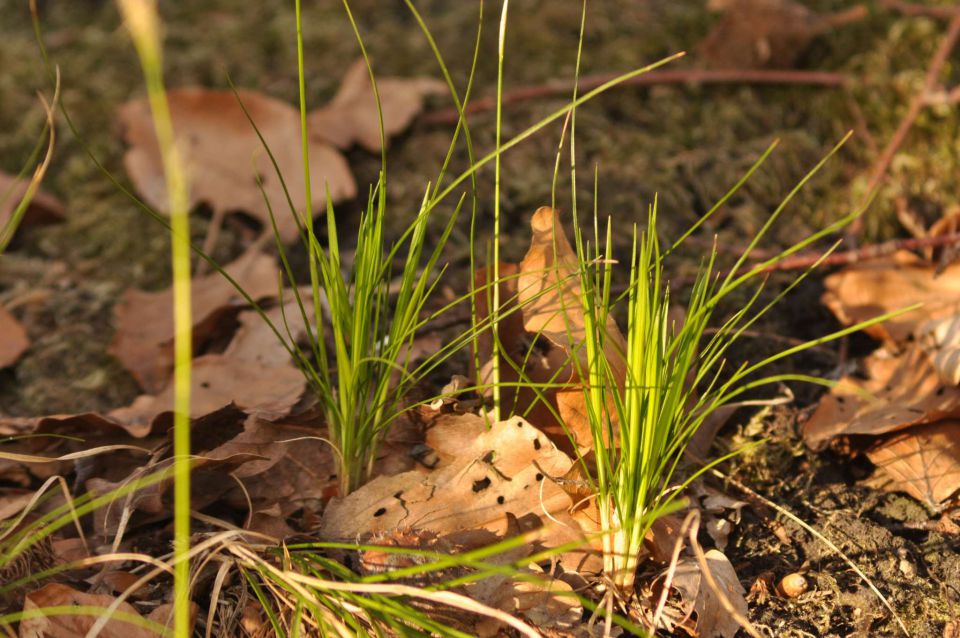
pixel 143 23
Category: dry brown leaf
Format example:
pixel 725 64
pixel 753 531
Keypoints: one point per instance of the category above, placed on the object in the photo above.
pixel 923 461
pixel 217 381
pixel 697 597
pixel 871 289
pixel 351 116
pixel 661 539
pixel 144 339
pixel 899 392
pixel 296 469
pixel 542 325
pixel 940 338
pixel 255 342
pixel 758 34
pixel 13 339
pixel 43 208
pixel 224 157
pixel 493 475
pixel 71 626
pixel 549 293
pixel 537 357
pixel 210 479
pixel 549 605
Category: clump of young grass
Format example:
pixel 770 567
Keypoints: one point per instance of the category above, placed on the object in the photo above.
pixel 375 310
pixel 358 359
pixel 676 376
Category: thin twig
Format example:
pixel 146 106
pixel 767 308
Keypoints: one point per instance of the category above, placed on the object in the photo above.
pixel 917 103
pixel 865 253
pixel 668 76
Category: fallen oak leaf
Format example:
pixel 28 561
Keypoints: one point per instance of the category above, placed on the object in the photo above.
pixel 899 392
pixel 226 162
pixel 542 306
pixel 144 339
pixel 864 291
pixel 13 339
pixel 125 622
pixel 922 461
pixel 210 480
pixel 217 381
pixel 490 478
pixel 702 613
pixel 352 117
pixel 549 294
pixel 537 357
pixel 295 468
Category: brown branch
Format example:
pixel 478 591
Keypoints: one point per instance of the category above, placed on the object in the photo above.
pixel 919 101
pixel 669 76
pixel 865 253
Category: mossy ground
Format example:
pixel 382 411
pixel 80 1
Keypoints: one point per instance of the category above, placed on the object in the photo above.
pixel 685 144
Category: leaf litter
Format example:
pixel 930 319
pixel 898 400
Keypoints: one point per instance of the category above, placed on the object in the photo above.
pixel 250 432
pixel 900 409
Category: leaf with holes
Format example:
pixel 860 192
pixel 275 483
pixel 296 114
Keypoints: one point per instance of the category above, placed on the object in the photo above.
pixel 494 472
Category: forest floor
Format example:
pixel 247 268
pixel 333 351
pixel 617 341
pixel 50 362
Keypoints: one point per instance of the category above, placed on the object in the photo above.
pixel 685 143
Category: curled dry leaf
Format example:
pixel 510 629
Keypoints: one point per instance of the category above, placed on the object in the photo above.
pixel 541 361
pixel 351 117
pixel 71 626
pixel 210 479
pixel 548 605
pixel 494 474
pixel 550 295
pixel 542 326
pixel 760 34
pixel 940 338
pixel 13 339
pixel 144 339
pixel 255 342
pixel 899 392
pixel 699 600
pixel 225 159
pixel 43 208
pixel 923 461
pixel 867 290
